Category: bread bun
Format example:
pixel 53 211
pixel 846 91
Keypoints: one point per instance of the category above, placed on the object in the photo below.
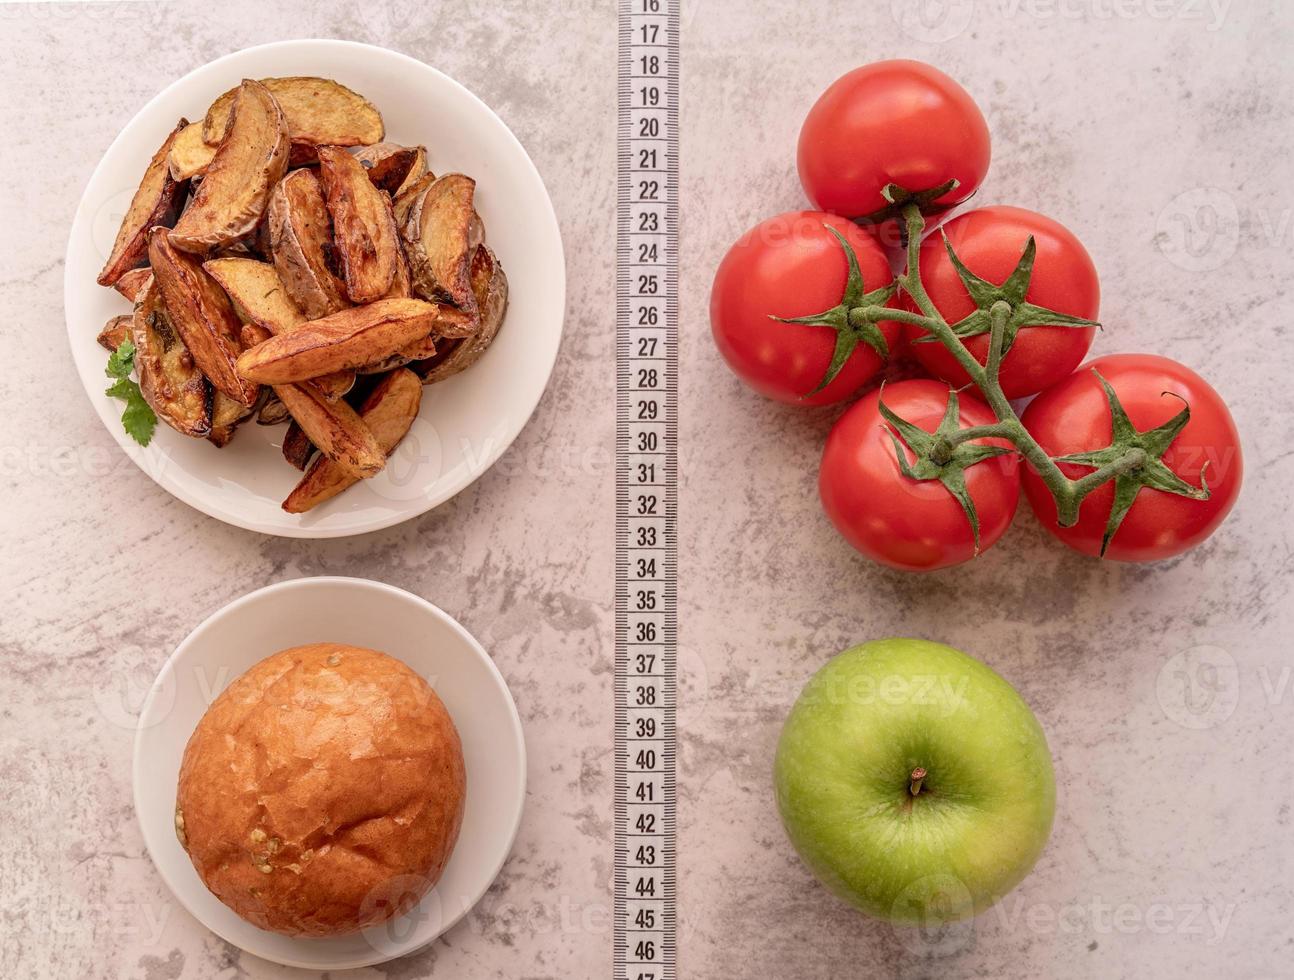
pixel 322 792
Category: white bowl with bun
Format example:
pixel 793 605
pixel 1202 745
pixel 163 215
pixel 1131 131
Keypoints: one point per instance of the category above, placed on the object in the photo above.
pixel 329 772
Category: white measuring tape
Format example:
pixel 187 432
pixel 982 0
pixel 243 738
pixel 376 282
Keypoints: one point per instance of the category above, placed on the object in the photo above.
pixel 646 491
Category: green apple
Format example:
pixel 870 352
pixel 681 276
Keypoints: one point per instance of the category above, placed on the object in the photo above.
pixel 914 781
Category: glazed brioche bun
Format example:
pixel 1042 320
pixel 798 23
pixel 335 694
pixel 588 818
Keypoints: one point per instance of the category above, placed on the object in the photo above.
pixel 322 792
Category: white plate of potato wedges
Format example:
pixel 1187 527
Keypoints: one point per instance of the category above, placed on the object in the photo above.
pixel 315 288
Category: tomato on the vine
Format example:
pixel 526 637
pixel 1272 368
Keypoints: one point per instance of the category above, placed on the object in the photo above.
pixel 792 265
pixel 990 242
pixel 913 525
pixel 1076 417
pixel 891 122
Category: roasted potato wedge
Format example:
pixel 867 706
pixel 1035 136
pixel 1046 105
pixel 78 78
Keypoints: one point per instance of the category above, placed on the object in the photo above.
pixel 156 202
pixel 334 427
pixel 297 447
pixel 259 297
pixel 347 340
pixel 202 315
pixel 364 235
pixel 407 195
pixel 300 235
pixel 490 286
pixel 235 190
pixel 319 112
pixel 189 156
pixel 115 331
pixel 132 282
pixel 226 416
pixel 442 232
pixel 169 378
pixel 388 411
pixel 391 166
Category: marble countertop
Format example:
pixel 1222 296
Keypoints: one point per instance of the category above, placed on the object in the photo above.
pixel 1159 130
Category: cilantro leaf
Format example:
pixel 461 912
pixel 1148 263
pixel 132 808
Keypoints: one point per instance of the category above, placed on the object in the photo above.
pixel 138 418
pixel 121 361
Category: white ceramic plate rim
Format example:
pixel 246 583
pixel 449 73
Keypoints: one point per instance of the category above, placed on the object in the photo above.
pixel 516 745
pixel 164 476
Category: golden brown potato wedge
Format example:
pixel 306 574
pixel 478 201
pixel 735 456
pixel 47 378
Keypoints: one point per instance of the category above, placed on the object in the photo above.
pixel 157 202
pixel 259 297
pixel 115 331
pixel 189 156
pixel 256 291
pixel 297 447
pixel 319 111
pixel 235 190
pixel 347 340
pixel 442 232
pixel 170 380
pixel 334 427
pixel 404 198
pixel 388 411
pixel 391 166
pixel 132 282
pixel 202 314
pixel 368 246
pixel 226 416
pixel 490 286
pixel 300 235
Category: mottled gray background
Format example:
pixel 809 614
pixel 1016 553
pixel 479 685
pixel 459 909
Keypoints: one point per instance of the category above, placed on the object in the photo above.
pixel 1158 129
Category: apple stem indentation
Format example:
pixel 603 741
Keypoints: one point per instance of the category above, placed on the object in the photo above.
pixel 918 774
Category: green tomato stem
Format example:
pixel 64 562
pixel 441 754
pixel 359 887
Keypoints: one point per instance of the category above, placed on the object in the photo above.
pixel 1067 493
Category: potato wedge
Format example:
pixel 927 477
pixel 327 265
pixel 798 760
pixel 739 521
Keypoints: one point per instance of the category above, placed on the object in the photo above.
pixel 404 199
pixel 319 111
pixel 334 427
pixel 297 447
pixel 170 380
pixel 300 235
pixel 250 160
pixel 132 282
pixel 189 156
pixel 156 202
pixel 391 166
pixel 388 411
pixel 202 315
pixel 259 297
pixel 226 416
pixel 442 232
pixel 115 331
pixel 368 246
pixel 491 288
pixel 346 340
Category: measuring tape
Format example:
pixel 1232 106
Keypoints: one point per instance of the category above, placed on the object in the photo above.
pixel 645 926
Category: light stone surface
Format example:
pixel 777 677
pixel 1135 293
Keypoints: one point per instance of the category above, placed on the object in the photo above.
pixel 1159 130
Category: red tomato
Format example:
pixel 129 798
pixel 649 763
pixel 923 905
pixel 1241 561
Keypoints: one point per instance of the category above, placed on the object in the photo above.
pixel 990 241
pixel 900 122
pixel 1074 417
pixel 791 266
pixel 916 526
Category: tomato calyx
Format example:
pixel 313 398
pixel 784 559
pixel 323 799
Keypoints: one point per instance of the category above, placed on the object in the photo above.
pixel 927 201
pixel 944 454
pixel 1133 460
pixel 1012 292
pixel 853 318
